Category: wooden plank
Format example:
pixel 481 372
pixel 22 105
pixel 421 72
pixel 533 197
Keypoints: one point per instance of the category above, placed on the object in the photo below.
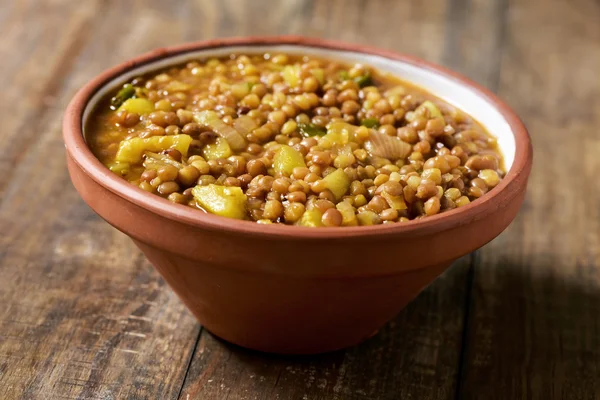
pixel 35 64
pixel 418 354
pixel 534 325
pixel 83 314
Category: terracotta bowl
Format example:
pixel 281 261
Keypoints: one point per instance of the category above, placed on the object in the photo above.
pixel 288 289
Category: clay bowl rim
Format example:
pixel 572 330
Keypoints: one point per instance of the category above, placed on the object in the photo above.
pixel 493 201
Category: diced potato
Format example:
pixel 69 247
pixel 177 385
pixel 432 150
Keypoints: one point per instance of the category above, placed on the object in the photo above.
pixel 366 218
pixel 395 202
pixel 219 149
pixel 119 168
pixel 226 201
pixel 330 140
pixel 311 218
pixel 319 74
pixel 345 150
pixel 338 133
pixel 132 150
pixel 338 182
pixel 212 120
pixel 345 157
pixel 432 108
pixel 138 105
pixel 291 75
pixel 396 91
pixel 240 90
pixel 348 214
pixel 286 159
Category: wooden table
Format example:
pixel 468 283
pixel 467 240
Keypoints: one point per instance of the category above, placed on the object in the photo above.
pixel 84 316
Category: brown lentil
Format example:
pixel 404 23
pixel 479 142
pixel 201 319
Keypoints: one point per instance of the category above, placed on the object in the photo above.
pixel 148 175
pixel 432 206
pixel 167 173
pixel 332 217
pixel 187 176
pixel 453 161
pixel 256 167
pixel 389 214
pixel 167 188
pixel 297 196
pixel 293 212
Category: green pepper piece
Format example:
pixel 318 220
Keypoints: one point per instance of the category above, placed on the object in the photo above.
pixel 126 92
pixel 344 76
pixel 370 123
pixel 364 80
pixel 310 130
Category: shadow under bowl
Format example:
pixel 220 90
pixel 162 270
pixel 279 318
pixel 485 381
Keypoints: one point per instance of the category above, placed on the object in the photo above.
pixel 288 289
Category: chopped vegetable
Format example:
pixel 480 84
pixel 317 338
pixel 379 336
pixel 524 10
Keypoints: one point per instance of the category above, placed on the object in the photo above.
pixel 240 90
pixel 396 90
pixel 212 120
pixel 132 150
pixel 338 133
pixel 345 150
pixel 319 74
pixel 310 141
pixel 427 106
pixel 366 218
pixel 219 149
pixel 244 124
pixel 348 214
pixel 159 160
pixel 370 123
pixel 390 147
pixel 286 159
pixel 338 182
pixel 138 106
pixel 311 218
pixel 291 75
pixel 434 111
pixel 310 130
pixel 126 92
pixel 395 202
pixel 119 168
pixel 226 201
pixel 364 80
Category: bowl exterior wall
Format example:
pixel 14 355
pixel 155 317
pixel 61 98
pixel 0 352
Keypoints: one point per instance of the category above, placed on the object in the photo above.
pixel 291 295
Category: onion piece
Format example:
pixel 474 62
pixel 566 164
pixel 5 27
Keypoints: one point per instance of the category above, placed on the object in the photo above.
pixel 155 158
pixel 211 119
pixel 396 90
pixel 244 124
pixel 385 146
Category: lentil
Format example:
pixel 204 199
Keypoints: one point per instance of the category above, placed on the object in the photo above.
pixel 332 217
pixel 294 144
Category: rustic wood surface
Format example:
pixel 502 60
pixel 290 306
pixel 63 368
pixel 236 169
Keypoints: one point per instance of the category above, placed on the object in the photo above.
pixel 84 316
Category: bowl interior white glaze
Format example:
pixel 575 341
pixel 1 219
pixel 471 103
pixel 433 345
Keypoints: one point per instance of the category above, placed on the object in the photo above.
pixel 443 86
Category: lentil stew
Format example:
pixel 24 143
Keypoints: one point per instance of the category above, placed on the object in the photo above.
pixel 276 138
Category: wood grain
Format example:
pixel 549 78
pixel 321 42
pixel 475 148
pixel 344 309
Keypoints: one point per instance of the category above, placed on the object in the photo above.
pixel 84 316
pixel 414 356
pixel 534 323
pixel 417 355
